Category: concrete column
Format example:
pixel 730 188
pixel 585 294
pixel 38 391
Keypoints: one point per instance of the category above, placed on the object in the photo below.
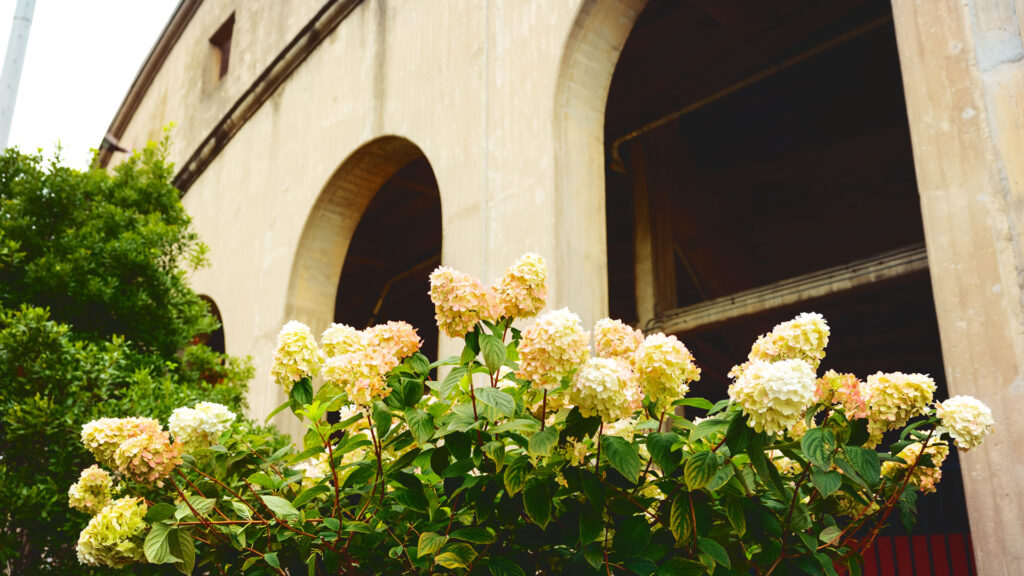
pixel 13 60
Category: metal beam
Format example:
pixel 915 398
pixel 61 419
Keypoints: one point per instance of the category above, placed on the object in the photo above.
pixel 892 265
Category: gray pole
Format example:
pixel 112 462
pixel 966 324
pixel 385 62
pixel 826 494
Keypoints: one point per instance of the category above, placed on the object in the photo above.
pixel 15 57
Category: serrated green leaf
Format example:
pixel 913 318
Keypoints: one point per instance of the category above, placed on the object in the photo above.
pixel 504 567
pixel 456 556
pixel 818 445
pixel 622 456
pixel 184 548
pixel 157 546
pixel 451 381
pixel 826 482
pixel 680 518
pixel 715 550
pixel 537 501
pixel 734 512
pixel 498 399
pixel 271 558
pixel 332 524
pixel 308 495
pixel 865 462
pixel 473 534
pixel 420 424
pixel 493 350
pixel 159 511
pixel 828 535
pixel 695 402
pixel 659 444
pixel 700 469
pixel 708 428
pixel 515 476
pixel 280 506
pixel 429 543
pixel 542 442
pixel 302 393
pixel 241 509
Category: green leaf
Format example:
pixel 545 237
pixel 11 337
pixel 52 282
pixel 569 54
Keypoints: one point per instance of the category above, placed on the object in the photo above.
pixel 829 534
pixel 499 400
pixel 355 526
pixel 734 512
pixel 184 548
pixel 456 556
pixel 818 445
pixel 659 444
pixel 157 546
pixel 332 524
pixel 537 501
pixel 695 402
pixel 709 427
pixel 515 475
pixel 412 392
pixel 381 419
pixel 420 424
pixel 305 496
pixel 159 511
pixel 504 567
pixel 451 381
pixel 473 534
pixel 680 518
pixel 271 558
pixel 429 543
pixel 720 478
pixel 419 363
pixel 493 350
pixel 622 456
pixel 241 509
pixel 280 506
pixel 302 393
pixel 542 442
pixel 858 432
pixel 737 435
pixel 700 469
pixel 826 482
pixel 866 463
pixel 715 550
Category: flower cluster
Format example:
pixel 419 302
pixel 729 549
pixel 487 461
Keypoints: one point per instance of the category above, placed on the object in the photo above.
pixel 102 437
pixel 399 339
pixel 200 426
pixel 616 339
pixel 521 291
pixel 665 367
pixel 606 387
pixel 341 339
pixel 358 361
pixel 114 536
pixel 893 399
pixel 845 390
pixel 148 455
pixel 92 491
pixel 802 338
pixel 785 465
pixel 297 355
pixel 552 348
pixel 774 395
pixel 460 301
pixel 925 474
pixel 966 419
pixel 624 428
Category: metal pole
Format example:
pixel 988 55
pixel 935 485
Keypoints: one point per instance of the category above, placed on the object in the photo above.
pixel 13 61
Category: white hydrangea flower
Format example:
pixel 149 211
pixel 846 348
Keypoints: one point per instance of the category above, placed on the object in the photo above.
pixel 297 356
pixel 92 491
pixel 665 368
pixel 774 395
pixel 616 339
pixel 551 348
pixel 606 387
pixel 200 426
pixel 966 419
pixel 624 428
pixel 114 536
pixel 894 398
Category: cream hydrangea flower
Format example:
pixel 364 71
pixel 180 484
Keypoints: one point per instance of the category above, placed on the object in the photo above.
pixel 102 437
pixel 92 491
pixel 966 419
pixel 624 428
pixel 924 477
pixel 774 395
pixel 114 536
pixel 802 338
pixel 606 387
pixel 894 398
pixel 361 374
pixel 616 339
pixel 551 348
pixel 521 291
pixel 296 357
pixel 341 339
pixel 845 390
pixel 200 426
pixel 148 455
pixel 784 465
pixel 398 338
pixel 665 368
pixel 460 301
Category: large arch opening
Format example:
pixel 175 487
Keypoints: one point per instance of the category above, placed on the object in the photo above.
pixel 756 162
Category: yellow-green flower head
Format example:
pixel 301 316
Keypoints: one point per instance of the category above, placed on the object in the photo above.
pixel 92 491
pixel 296 357
pixel 103 436
pixel 924 477
pixel 521 291
pixel 148 455
pixel 624 428
pixel 966 419
pixel 398 338
pixel 341 339
pixel 114 536
pixel 201 426
pixel 460 301
pixel 616 339
pixel 552 348
pixel 784 465
pixel 802 338
pixel 894 398
pixel 665 368
pixel 774 395
pixel 606 387
pixel 362 375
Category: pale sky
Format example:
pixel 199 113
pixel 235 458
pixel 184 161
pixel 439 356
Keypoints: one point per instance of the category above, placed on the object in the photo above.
pixel 82 57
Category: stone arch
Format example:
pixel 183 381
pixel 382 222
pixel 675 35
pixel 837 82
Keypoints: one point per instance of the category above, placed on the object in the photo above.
pixel 215 340
pixel 332 222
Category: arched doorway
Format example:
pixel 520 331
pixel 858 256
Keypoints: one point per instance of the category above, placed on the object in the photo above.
pixel 369 242
pixel 214 340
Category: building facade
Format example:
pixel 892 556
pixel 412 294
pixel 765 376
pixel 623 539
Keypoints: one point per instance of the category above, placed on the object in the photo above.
pixel 332 152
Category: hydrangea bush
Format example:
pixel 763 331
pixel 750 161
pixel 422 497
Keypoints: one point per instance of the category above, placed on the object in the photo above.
pixel 528 454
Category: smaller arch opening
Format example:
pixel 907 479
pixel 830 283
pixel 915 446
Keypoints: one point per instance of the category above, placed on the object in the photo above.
pixel 214 340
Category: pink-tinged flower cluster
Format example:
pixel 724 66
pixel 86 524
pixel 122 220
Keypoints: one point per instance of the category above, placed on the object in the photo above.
pixel 297 356
pixel 398 338
pixel 925 475
pixel 665 367
pixel 460 301
pixel 894 398
pixel 802 338
pixel 607 388
pixel 341 339
pixel 552 348
pixel 148 455
pixel 774 395
pixel 521 291
pixel 358 361
pixel 103 436
pixel 92 491
pixel 845 390
pixel 966 419
pixel 616 339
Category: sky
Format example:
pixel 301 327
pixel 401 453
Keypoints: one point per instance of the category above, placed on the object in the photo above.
pixel 82 57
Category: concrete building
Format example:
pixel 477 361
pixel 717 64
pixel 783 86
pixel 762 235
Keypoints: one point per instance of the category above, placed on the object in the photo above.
pixel 694 166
